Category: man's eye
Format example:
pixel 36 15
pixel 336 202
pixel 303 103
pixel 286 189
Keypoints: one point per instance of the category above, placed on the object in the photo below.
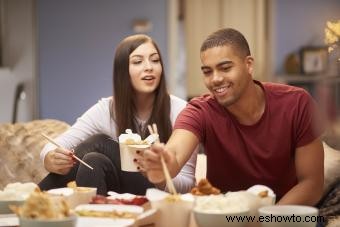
pixel 225 69
pixel 206 72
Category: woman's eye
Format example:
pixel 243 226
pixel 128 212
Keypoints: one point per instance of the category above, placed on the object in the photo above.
pixel 155 60
pixel 136 62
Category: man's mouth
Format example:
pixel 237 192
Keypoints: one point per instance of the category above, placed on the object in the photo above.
pixel 222 89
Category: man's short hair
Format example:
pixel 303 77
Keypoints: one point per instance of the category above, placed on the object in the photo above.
pixel 227 37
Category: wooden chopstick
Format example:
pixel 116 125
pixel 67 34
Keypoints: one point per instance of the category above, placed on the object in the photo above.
pixel 73 155
pixel 172 189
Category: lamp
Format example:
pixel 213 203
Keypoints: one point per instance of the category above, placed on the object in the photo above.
pixel 332 39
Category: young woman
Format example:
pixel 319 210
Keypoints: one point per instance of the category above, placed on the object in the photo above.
pixel 140 98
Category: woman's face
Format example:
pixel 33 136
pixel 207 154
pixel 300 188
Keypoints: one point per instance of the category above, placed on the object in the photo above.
pixel 145 68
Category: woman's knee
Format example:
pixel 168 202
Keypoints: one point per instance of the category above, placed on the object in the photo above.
pixel 96 143
pixel 94 157
pixel 97 138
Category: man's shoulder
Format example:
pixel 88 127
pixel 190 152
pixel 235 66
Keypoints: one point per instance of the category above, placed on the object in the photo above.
pixel 203 99
pixel 283 89
pixel 206 103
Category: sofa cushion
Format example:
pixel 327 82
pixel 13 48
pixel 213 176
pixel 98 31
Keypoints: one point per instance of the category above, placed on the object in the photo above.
pixel 20 146
pixel 331 162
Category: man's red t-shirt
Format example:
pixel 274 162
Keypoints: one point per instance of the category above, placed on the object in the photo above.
pixel 240 156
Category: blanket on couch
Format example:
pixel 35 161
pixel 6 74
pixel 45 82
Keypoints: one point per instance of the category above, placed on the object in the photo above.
pixel 20 146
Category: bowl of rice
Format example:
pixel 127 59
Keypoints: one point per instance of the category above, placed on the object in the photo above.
pixel 230 209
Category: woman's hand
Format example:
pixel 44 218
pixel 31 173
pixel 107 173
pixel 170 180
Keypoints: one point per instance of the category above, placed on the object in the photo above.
pixel 59 161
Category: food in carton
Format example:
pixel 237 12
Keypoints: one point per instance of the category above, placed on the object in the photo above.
pixel 129 144
pixel 169 206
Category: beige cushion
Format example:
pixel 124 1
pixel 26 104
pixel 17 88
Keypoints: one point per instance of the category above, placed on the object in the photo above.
pixel 332 166
pixel 331 162
pixel 20 146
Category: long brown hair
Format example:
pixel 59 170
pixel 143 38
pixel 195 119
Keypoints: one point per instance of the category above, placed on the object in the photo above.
pixel 123 105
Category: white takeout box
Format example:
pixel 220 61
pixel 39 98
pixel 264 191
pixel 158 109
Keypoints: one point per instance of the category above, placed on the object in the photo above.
pixel 128 153
pixel 181 209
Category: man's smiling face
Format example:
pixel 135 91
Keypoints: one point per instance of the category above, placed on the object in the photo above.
pixel 226 73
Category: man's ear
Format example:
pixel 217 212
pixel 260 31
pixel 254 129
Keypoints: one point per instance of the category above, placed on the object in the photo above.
pixel 250 64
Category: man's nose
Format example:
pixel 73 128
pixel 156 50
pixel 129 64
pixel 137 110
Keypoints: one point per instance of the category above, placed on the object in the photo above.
pixel 216 77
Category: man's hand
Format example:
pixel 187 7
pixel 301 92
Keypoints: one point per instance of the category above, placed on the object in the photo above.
pixel 152 162
pixel 59 161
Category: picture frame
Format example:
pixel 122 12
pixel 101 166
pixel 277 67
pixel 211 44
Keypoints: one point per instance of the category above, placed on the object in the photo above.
pixel 314 60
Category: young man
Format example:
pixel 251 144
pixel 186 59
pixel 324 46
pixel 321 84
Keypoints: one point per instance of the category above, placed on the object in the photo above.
pixel 252 132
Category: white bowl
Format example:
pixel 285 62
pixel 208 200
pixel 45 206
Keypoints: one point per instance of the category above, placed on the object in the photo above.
pixel 288 215
pixel 206 219
pixel 4 205
pixel 65 222
pixel 75 197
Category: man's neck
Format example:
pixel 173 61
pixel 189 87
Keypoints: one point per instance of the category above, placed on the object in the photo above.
pixel 250 108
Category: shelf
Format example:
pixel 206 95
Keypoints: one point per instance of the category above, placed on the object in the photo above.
pixel 296 78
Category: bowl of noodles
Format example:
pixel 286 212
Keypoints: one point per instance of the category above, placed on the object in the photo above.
pixel 15 194
pixel 40 210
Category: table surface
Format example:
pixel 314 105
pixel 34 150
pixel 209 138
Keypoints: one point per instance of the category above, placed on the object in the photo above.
pixel 12 220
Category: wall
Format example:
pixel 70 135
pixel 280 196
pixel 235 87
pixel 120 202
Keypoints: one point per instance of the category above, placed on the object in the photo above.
pixel 300 23
pixel 77 40
pixel 18 59
pixel 220 14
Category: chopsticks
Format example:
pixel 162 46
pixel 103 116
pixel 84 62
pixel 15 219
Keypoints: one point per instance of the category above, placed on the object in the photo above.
pixel 55 143
pixel 172 189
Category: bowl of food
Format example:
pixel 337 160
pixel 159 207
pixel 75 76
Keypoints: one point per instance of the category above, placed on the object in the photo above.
pixel 73 194
pixel 5 204
pixel 63 222
pixel 41 209
pixel 221 210
pixel 288 216
pixel 15 194
pixel 170 206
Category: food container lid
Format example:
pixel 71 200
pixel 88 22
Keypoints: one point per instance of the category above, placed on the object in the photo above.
pixel 129 135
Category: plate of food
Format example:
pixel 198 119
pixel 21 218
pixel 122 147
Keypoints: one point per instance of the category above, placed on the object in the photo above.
pixel 121 199
pixel 113 214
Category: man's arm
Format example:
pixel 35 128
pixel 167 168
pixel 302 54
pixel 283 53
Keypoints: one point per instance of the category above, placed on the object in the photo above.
pixel 176 153
pixel 309 163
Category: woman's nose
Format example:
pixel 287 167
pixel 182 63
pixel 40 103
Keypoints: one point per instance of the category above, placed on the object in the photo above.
pixel 148 65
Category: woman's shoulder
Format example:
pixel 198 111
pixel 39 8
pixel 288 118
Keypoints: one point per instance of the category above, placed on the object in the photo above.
pixel 105 102
pixel 177 101
pixel 177 105
pixel 102 106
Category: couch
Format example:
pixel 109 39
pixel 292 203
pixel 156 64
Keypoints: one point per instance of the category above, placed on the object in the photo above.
pixel 20 146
